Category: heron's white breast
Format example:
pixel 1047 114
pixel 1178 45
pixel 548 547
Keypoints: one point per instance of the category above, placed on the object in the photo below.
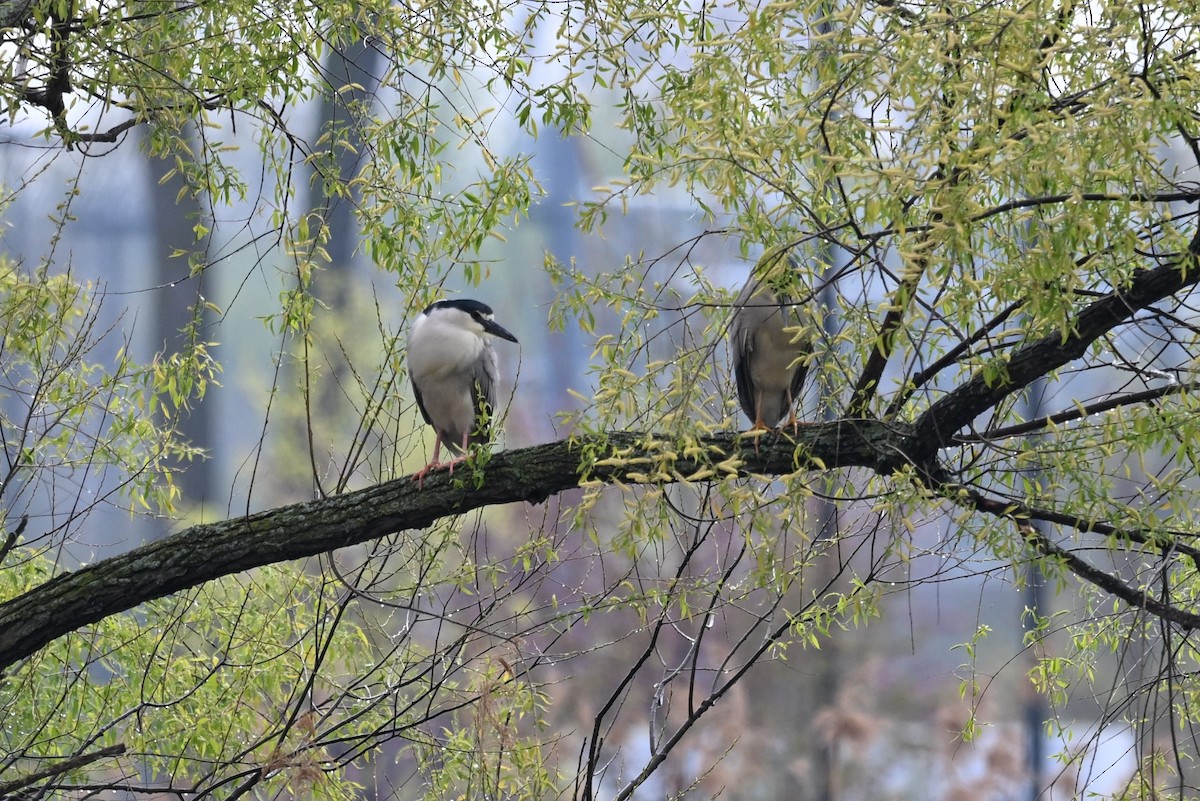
pixel 439 350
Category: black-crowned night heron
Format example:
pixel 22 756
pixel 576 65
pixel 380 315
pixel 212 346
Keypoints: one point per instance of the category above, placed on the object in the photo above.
pixel 771 339
pixel 453 369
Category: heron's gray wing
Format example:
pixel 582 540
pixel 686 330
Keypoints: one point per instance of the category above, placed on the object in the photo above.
pixel 748 314
pixel 420 402
pixel 483 392
pixel 798 381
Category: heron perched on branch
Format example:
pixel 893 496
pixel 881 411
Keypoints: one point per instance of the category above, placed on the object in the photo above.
pixel 771 338
pixel 454 368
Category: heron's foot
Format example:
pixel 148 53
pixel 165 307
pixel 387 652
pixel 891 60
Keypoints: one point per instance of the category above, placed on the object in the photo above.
pixel 419 476
pixel 757 431
pixel 793 423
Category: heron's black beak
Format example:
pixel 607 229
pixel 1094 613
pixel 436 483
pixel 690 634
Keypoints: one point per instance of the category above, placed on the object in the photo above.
pixel 497 330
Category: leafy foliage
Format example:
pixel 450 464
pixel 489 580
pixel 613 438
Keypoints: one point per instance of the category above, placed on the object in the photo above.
pixel 68 414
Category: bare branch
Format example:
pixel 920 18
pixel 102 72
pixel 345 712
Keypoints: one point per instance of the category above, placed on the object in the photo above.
pixel 1076 413
pixel 107 136
pixel 11 538
pixel 59 768
pixel 1133 596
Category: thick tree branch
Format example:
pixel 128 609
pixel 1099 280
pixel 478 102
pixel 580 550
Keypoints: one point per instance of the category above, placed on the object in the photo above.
pixel 950 414
pixel 209 551
pixel 58 83
pixel 14 12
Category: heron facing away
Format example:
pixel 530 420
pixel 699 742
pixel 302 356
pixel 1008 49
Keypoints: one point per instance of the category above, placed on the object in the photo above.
pixel 771 339
pixel 453 368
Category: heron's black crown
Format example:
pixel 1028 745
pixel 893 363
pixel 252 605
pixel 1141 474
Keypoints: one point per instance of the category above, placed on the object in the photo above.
pixel 471 307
